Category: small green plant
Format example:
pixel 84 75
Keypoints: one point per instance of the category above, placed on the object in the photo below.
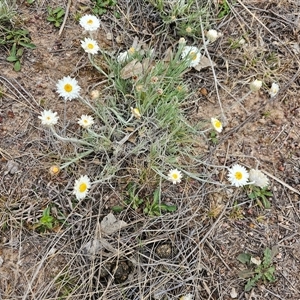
pixel 260 195
pixel 224 9
pixel 133 198
pixel 101 6
pixel 213 136
pixel 46 222
pixel 155 208
pixel 55 15
pixel 7 11
pixel 258 270
pixel 66 284
pixel 19 39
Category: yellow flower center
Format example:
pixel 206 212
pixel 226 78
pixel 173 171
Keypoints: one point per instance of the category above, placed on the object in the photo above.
pixel 68 87
pixel 238 175
pixel 175 176
pixel 55 169
pixel 48 118
pixel 188 29
pixel 82 187
pixel 85 121
pixel 90 21
pixel 131 50
pixel 90 46
pixel 218 124
pixel 193 55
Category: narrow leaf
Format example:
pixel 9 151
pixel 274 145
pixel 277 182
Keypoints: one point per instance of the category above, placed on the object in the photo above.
pixel 27 45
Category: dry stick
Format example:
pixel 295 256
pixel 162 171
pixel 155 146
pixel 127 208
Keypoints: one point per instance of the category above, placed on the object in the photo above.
pixel 212 69
pixel 214 225
pixel 65 18
pixel 282 182
pixel 266 28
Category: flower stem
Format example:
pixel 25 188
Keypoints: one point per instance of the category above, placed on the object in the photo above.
pixel 72 140
pixel 80 156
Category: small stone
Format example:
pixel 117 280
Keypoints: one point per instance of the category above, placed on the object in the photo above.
pixel 233 293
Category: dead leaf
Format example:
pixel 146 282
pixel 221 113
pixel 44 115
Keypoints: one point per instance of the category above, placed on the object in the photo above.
pixel 133 68
pixel 168 55
pixel 110 224
pixel 204 63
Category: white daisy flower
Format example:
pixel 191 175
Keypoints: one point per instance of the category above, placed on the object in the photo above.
pixel 90 46
pixel 48 117
pixel 274 90
pixel 258 178
pixel 217 125
pixel 187 297
pixel 86 121
pixel 174 176
pixel 81 187
pixel 89 22
pixel 255 85
pixel 212 35
pixel 238 175
pixel 68 88
pixel 192 54
pixel 136 112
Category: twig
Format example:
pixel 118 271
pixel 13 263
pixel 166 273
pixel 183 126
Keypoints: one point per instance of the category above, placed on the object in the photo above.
pixel 282 182
pixel 65 18
pixel 214 225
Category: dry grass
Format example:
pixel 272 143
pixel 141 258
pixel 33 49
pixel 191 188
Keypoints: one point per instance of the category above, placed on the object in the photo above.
pixel 194 249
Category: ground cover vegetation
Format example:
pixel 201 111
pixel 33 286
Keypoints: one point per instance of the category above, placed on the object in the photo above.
pixel 149 149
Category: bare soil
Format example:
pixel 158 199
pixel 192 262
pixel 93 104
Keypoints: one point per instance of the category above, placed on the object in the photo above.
pixel 190 251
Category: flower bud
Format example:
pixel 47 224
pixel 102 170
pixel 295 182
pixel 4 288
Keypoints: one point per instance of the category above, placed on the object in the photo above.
pixel 212 35
pixel 54 170
pixel 255 85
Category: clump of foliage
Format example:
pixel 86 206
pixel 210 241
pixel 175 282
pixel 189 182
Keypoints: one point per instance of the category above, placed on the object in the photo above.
pixel 55 15
pixel 16 39
pixel 151 205
pixel 258 270
pixel 100 7
pixel 47 222
pixel 260 195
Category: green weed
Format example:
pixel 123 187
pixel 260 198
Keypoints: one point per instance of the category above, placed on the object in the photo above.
pixel 55 15
pixel 7 11
pixel 213 136
pixel 133 199
pixel 154 207
pixel 100 7
pixel 260 195
pixel 258 270
pixel 47 222
pixel 19 40
pixel 224 9
pixel 184 15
